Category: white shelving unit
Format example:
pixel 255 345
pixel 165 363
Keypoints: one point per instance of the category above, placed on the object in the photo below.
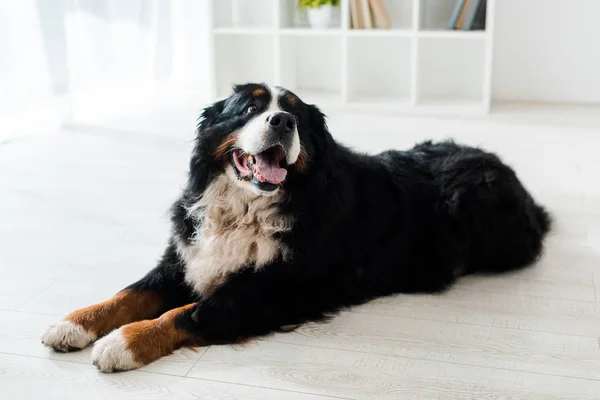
pixel 417 66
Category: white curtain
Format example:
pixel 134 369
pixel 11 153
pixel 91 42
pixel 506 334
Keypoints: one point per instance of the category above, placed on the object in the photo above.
pixel 69 61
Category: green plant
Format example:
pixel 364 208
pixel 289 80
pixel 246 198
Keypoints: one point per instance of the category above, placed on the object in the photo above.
pixel 304 4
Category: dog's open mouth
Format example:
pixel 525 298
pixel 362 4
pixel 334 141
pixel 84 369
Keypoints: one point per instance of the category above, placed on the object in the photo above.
pixel 265 169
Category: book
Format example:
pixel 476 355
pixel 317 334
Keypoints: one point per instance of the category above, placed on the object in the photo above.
pixel 455 13
pixel 463 14
pixel 355 14
pixel 475 19
pixel 366 14
pixel 481 18
pixel 381 15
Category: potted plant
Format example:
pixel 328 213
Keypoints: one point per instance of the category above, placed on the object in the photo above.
pixel 318 11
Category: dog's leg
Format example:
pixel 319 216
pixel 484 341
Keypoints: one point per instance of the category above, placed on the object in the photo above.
pixel 139 343
pixel 234 313
pixel 160 290
pixel 82 327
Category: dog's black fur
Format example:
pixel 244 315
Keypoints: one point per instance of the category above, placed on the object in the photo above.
pixel 364 226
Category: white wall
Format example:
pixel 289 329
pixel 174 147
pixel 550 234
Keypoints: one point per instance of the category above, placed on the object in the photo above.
pixel 547 50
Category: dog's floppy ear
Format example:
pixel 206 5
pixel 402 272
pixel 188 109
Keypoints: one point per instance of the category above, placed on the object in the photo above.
pixel 322 139
pixel 317 119
pixel 208 114
pixel 200 162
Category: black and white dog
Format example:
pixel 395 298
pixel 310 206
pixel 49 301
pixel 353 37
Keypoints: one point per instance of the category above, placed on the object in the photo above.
pixel 280 225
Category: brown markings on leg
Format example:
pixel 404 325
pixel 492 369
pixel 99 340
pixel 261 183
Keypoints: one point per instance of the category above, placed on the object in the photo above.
pixel 225 146
pixel 150 340
pixel 123 308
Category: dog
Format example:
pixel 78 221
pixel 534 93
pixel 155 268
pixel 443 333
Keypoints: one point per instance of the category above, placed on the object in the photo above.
pixel 280 225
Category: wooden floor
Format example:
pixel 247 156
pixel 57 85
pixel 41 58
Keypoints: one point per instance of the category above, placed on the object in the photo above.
pixel 83 213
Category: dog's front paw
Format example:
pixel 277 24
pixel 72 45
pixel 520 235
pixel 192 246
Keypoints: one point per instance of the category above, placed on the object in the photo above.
pixel 67 336
pixel 110 354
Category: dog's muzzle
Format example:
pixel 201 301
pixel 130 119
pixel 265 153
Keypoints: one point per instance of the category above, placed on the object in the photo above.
pixel 264 157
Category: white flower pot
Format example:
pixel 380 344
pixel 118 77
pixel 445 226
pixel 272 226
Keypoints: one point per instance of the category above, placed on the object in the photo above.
pixel 319 18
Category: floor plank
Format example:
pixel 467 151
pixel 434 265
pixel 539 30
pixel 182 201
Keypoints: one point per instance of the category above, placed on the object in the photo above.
pixel 517 284
pixel 33 378
pixel 537 352
pixel 522 312
pixel 355 375
pixel 63 297
pixel 14 291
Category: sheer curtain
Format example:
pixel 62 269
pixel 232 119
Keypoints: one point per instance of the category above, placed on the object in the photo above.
pixel 69 61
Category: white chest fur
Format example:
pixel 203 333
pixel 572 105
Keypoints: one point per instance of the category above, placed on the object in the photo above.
pixel 235 230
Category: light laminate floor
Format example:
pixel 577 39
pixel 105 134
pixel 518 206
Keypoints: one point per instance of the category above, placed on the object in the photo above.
pixel 83 213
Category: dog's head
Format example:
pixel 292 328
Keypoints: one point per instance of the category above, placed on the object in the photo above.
pixel 259 137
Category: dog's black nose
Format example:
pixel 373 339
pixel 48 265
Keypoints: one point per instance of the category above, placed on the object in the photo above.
pixel 282 122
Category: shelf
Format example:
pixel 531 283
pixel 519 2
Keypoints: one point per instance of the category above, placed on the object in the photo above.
pixel 243 31
pixel 242 59
pixel 379 67
pixel 450 105
pixel 321 98
pixel 290 16
pixel 393 105
pixel 450 34
pixel 325 32
pixel 380 32
pixel 450 69
pixel 309 32
pixel 417 66
pixel 377 100
pixel 311 63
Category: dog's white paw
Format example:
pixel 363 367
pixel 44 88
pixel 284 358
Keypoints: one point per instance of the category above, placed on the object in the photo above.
pixel 67 336
pixel 110 354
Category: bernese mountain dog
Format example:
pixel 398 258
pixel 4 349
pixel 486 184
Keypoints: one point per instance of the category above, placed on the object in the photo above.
pixel 280 225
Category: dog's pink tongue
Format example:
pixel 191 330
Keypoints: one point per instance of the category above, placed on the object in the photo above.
pixel 269 170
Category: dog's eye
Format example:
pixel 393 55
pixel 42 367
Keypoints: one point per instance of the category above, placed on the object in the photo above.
pixel 250 109
pixel 296 117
